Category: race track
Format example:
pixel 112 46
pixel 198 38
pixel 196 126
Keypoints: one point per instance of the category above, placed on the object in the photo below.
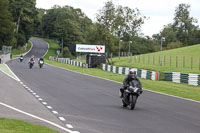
pixel 92 105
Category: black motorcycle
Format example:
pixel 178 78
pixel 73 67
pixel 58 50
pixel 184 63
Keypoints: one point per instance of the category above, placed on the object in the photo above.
pixel 130 95
pixel 31 63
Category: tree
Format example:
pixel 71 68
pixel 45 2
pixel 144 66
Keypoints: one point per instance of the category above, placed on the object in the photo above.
pixel 6 25
pixel 24 15
pixel 117 21
pixel 183 24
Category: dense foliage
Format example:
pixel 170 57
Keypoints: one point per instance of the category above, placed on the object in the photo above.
pixel 17 19
pixel 115 26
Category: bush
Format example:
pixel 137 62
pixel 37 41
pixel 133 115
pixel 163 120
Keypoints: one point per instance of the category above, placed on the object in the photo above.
pixel 173 45
pixel 21 40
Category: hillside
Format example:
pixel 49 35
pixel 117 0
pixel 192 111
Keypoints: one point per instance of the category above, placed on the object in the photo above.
pixel 185 59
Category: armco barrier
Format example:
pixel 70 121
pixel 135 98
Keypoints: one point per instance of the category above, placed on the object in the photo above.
pixel 152 75
pixel 68 61
pixel 177 77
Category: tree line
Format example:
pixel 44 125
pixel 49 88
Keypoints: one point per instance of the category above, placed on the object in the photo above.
pixel 114 26
pixel 17 20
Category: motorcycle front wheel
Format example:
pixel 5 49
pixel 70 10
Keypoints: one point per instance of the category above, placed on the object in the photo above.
pixel 133 99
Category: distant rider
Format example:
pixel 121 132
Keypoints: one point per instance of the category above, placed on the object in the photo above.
pixel 129 78
pixel 32 59
pixel 41 59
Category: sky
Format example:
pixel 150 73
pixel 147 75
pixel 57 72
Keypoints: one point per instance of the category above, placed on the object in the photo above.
pixel 159 12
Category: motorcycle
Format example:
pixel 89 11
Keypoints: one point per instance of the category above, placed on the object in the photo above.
pixel 131 94
pixel 31 63
pixel 41 63
pixel 21 59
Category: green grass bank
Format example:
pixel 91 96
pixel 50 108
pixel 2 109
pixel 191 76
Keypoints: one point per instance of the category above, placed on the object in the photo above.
pixel 17 126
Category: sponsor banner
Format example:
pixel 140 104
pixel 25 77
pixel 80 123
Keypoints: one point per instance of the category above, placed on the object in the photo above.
pixel 90 48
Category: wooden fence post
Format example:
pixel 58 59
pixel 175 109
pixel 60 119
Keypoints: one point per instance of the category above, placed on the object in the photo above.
pixel 183 61
pixel 170 61
pixel 143 59
pixel 191 62
pixel 148 59
pixel 153 59
pixel 199 63
pixel 176 61
pixel 139 58
pixel 159 61
pixel 164 60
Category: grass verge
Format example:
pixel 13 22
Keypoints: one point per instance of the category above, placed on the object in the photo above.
pixel 17 52
pixel 18 126
pixel 5 69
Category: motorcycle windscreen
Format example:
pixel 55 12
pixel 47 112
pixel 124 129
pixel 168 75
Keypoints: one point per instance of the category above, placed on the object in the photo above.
pixel 135 83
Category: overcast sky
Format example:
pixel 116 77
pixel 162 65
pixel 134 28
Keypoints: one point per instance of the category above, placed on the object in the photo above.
pixel 160 12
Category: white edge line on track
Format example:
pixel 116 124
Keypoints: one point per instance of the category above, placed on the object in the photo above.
pixel 121 83
pixel 36 117
pixel 15 77
pixel 29 49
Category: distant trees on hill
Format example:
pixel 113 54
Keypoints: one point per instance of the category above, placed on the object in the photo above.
pixel 182 32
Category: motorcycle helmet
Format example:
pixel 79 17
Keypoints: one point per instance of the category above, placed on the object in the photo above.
pixel 132 73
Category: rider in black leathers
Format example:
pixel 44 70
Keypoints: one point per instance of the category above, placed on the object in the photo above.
pixel 131 76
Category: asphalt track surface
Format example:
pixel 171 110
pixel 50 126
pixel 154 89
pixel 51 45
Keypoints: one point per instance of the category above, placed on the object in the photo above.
pixel 92 105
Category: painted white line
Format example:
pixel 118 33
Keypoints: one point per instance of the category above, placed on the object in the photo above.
pixel 55 112
pixel 29 49
pixel 34 93
pixel 40 99
pixel 24 86
pixel 36 117
pixel 49 107
pixel 37 96
pixel 16 78
pixel 44 103
pixel 31 91
pixel 121 83
pixel 21 83
pixel 69 126
pixel 61 118
pixel 76 132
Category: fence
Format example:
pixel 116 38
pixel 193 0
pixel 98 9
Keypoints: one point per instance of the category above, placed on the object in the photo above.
pixel 68 61
pixel 191 79
pixel 81 57
pixel 152 75
pixel 4 58
pixel 173 61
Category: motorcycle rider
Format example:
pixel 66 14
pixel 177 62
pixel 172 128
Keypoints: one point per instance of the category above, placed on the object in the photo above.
pixel 21 58
pixel 129 78
pixel 41 59
pixel 32 59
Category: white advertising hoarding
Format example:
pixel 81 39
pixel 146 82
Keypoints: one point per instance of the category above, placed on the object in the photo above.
pixel 90 48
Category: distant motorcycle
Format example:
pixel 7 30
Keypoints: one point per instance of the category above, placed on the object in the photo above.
pixel 131 94
pixel 21 58
pixel 40 63
pixel 31 63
